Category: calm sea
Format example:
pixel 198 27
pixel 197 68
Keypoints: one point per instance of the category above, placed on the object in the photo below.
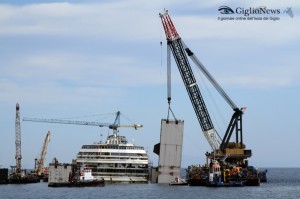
pixel 282 183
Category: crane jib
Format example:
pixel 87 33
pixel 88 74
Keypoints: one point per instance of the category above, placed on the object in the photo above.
pixel 169 28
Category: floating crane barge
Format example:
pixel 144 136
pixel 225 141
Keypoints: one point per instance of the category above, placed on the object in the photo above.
pixel 228 159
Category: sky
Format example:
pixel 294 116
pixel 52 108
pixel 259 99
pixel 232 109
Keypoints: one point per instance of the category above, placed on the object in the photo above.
pixel 86 60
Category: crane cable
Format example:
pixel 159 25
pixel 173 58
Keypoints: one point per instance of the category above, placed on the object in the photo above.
pixel 169 83
pixel 168 76
pixel 210 102
pixel 169 73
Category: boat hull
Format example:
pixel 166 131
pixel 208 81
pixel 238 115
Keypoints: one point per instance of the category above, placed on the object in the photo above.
pixel 197 182
pixel 178 184
pixel 251 181
pixel 234 184
pixel 94 183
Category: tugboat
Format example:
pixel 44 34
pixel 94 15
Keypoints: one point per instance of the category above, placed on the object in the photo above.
pixel 82 178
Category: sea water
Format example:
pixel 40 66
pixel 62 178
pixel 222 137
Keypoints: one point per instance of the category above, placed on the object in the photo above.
pixel 282 183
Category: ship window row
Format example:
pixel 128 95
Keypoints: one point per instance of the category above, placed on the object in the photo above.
pixel 104 174
pixel 122 170
pixel 112 158
pixel 116 166
pixel 112 147
pixel 127 154
pixel 112 154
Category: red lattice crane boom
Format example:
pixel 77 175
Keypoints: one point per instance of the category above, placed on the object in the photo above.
pixel 233 151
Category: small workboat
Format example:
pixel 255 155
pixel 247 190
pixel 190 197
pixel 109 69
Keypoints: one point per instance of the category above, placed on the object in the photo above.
pixel 178 181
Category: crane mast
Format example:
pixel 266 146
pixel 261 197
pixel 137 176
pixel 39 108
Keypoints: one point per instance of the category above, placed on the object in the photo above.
pixel 18 156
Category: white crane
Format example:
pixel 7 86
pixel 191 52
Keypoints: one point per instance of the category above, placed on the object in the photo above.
pixel 41 162
pixel 18 156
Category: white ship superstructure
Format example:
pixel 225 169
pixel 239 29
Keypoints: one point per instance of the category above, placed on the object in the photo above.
pixel 116 160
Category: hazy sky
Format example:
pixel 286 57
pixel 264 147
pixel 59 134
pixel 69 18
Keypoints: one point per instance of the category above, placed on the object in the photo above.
pixel 81 58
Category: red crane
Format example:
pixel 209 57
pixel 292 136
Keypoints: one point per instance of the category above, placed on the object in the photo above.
pixel 223 149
